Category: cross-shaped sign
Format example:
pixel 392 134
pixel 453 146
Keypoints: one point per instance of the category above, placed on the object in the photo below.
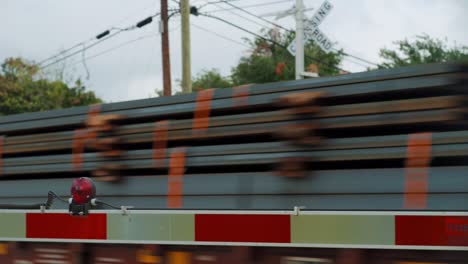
pixel 312 32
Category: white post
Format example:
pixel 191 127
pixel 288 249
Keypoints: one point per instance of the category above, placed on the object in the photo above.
pixel 299 39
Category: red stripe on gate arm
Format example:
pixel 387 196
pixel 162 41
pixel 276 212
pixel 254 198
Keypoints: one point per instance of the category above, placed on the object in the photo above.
pixel 65 226
pixel 431 230
pixel 243 228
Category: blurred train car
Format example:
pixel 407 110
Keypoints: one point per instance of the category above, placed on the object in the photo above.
pixel 53 253
pixel 358 168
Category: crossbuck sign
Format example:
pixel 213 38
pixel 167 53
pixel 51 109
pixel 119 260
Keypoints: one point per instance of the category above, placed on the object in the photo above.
pixel 312 32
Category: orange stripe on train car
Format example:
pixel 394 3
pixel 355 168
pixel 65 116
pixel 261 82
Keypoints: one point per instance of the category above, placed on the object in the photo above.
pixel 145 256
pixel 176 257
pixel 3 249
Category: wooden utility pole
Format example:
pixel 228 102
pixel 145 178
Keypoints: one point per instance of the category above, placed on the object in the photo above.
pixel 186 60
pixel 166 61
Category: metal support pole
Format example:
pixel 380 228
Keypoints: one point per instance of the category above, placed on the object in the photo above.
pixel 186 60
pixel 166 61
pixel 299 39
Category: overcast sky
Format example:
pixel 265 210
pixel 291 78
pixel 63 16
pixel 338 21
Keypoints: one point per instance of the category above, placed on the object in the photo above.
pixel 37 30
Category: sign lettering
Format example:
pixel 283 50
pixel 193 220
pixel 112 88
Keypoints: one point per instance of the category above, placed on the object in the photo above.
pixel 311 31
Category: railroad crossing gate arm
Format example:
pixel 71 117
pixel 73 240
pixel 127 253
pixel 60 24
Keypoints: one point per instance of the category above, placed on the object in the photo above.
pixel 333 229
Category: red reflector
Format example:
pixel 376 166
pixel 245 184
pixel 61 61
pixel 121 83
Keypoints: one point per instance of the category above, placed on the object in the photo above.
pixel 83 190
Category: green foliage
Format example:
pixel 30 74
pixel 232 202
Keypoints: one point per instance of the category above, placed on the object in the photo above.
pixel 22 90
pixel 269 62
pixel 262 63
pixel 210 79
pixel 423 49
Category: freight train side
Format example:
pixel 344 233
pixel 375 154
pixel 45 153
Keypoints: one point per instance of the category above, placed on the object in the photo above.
pixel 59 253
pixel 214 176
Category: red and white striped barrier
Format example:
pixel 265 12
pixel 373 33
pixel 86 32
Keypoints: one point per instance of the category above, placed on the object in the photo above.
pixel 406 230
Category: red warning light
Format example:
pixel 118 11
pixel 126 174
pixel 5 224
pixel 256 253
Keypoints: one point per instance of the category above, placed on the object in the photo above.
pixel 83 190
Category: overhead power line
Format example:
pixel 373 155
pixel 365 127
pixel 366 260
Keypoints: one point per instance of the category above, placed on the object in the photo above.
pixel 115 47
pixel 358 58
pixel 292 31
pixel 254 15
pixel 221 36
pixel 246 18
pixel 214 2
pixel 248 6
pixel 99 38
pixel 64 51
pixel 78 51
pixel 272 41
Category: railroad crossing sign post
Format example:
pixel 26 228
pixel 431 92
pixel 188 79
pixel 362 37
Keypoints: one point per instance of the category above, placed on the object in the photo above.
pixel 298 11
pixel 299 39
pixel 311 32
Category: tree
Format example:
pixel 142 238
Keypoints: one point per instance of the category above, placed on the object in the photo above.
pixel 269 61
pixel 210 79
pixel 23 90
pixel 423 49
